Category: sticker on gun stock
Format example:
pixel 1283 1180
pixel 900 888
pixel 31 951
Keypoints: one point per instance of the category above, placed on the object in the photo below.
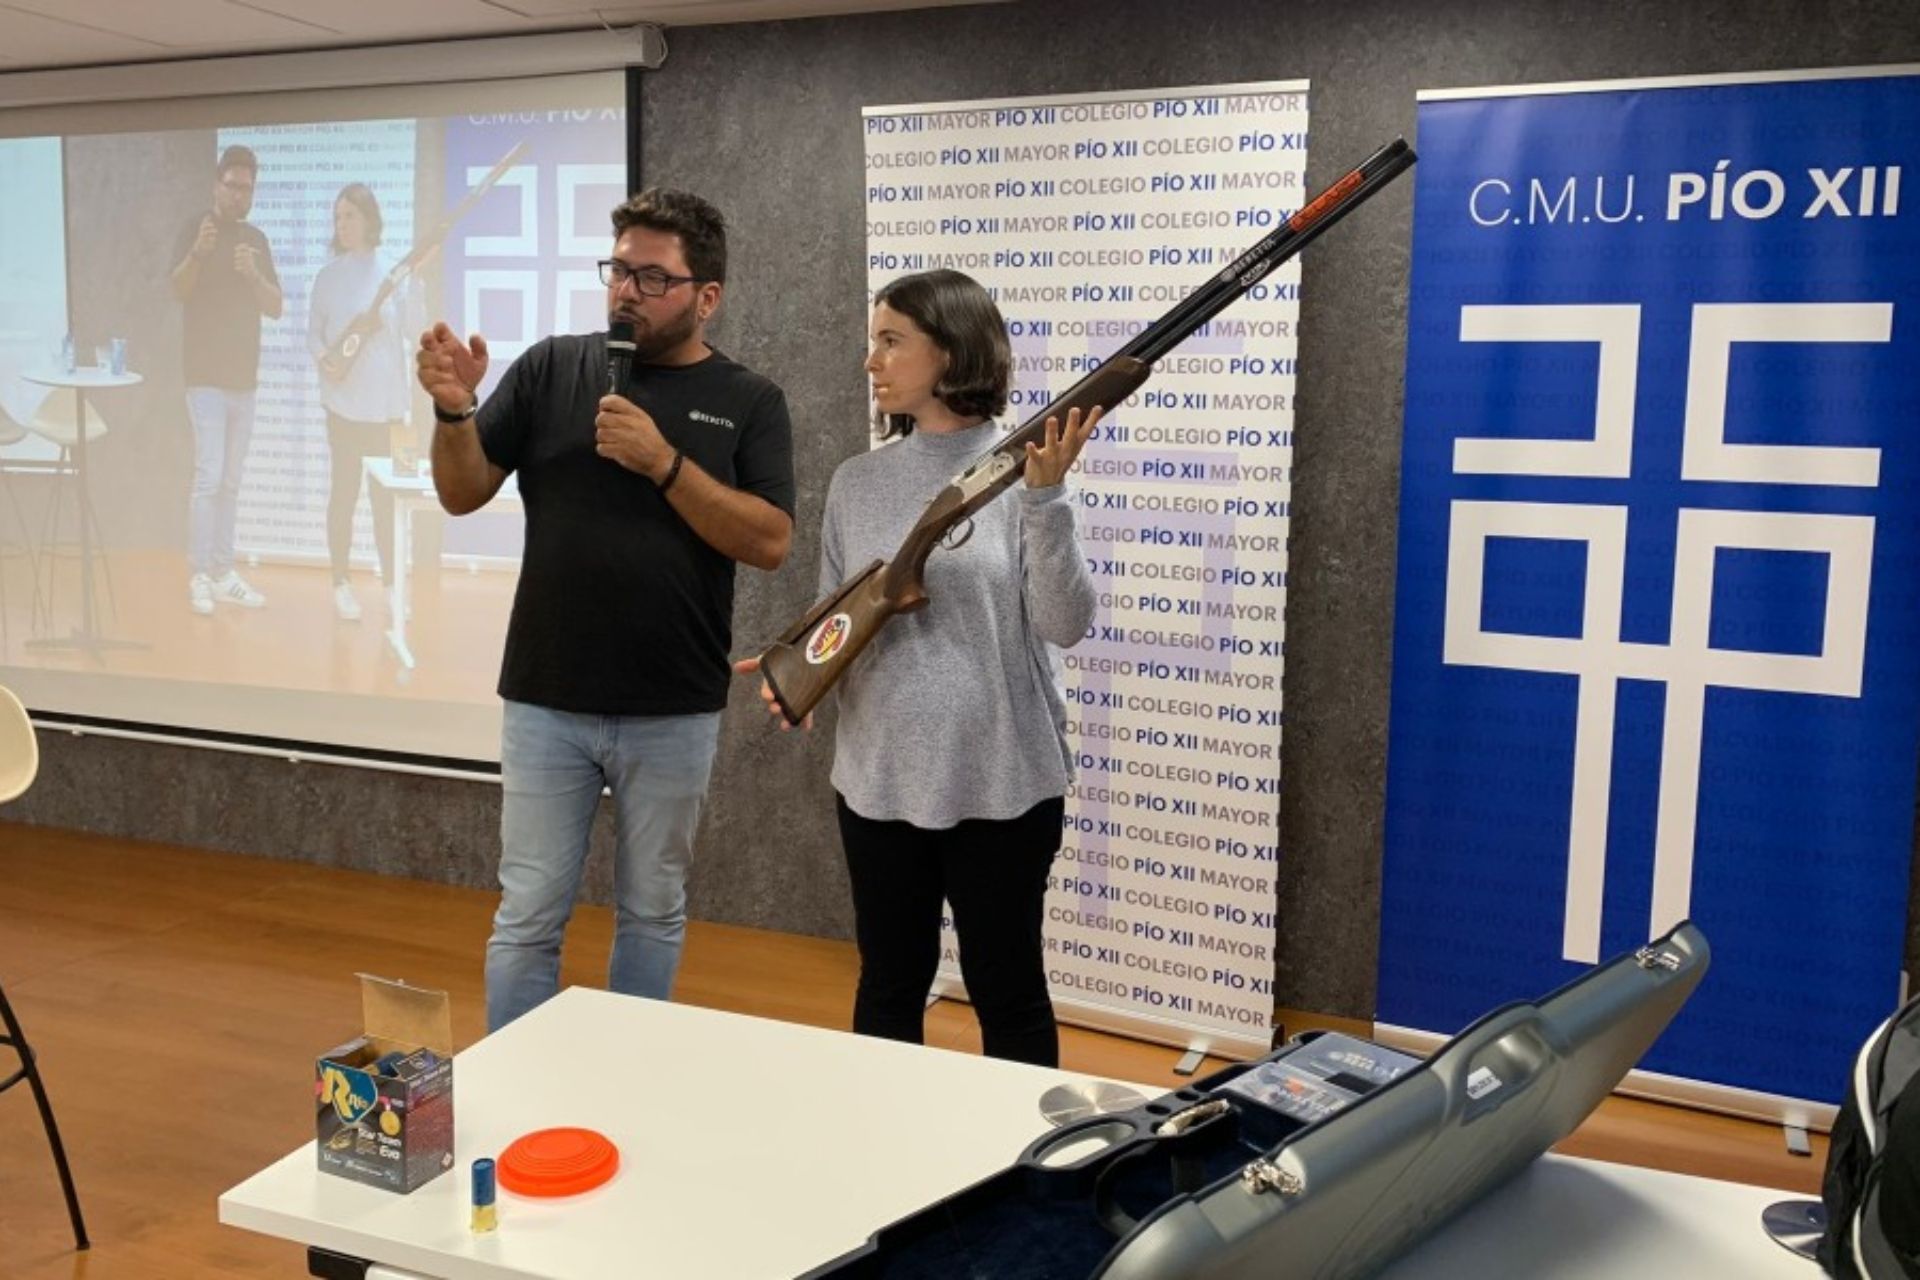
pixel 829 638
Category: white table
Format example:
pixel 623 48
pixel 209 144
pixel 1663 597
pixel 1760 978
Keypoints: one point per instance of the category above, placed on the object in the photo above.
pixel 80 381
pixel 1572 1219
pixel 749 1148
pixel 753 1149
pixel 412 494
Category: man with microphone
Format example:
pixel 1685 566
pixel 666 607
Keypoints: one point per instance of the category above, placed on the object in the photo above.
pixel 223 275
pixel 646 471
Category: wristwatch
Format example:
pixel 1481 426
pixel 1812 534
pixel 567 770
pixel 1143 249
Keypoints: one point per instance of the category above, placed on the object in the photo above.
pixel 442 415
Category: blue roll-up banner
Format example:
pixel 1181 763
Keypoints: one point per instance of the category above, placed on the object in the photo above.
pixel 1657 641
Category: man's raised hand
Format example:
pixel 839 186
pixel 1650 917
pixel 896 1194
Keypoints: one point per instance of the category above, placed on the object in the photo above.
pixel 451 370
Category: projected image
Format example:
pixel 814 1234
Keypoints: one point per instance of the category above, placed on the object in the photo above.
pixel 218 480
pixel 33 276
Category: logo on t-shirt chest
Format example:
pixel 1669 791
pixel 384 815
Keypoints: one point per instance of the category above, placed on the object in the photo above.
pixel 712 419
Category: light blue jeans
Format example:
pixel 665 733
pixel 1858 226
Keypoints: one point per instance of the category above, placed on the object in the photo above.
pixel 552 767
pixel 222 431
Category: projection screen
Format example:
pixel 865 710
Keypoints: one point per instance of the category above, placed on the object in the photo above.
pixel 491 203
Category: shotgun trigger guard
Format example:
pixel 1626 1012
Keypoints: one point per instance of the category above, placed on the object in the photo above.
pixel 965 531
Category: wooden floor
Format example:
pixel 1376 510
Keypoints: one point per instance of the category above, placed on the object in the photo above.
pixel 177 999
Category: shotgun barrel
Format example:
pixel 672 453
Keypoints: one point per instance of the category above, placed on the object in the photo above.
pixel 811 654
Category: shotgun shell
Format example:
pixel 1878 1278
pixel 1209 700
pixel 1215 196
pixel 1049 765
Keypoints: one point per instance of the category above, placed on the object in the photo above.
pixel 485 1216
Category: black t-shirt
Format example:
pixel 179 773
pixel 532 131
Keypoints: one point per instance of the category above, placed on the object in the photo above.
pixel 222 329
pixel 622 609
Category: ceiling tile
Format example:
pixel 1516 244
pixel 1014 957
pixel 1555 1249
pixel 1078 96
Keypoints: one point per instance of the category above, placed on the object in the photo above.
pixel 68 33
pixel 183 24
pixel 35 40
pixel 369 21
pixel 552 8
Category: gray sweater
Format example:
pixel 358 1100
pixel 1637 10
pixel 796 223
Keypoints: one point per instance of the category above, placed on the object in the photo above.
pixel 956 711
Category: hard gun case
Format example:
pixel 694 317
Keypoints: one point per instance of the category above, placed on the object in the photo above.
pixel 1206 1183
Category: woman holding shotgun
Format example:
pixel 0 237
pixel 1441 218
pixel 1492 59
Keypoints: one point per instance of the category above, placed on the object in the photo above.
pixel 950 762
pixel 364 384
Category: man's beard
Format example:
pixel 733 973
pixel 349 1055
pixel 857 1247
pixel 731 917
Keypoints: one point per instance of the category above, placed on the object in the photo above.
pixel 650 342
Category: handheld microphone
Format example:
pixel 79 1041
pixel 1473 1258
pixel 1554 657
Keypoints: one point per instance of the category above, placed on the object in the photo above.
pixel 619 355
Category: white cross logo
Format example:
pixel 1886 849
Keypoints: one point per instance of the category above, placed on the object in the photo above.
pixel 1598 658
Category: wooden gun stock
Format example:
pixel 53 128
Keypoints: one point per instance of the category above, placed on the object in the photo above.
pixel 805 661
pixel 338 362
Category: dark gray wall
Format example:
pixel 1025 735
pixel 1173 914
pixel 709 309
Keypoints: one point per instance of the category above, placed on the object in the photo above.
pixel 765 119
pixel 118 279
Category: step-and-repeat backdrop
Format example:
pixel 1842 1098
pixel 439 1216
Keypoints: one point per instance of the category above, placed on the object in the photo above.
pixel 1088 217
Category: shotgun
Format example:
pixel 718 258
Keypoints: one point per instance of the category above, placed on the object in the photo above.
pixel 811 654
pixel 339 358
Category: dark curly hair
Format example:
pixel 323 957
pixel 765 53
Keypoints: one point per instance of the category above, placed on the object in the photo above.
pixel 961 318
pixel 702 231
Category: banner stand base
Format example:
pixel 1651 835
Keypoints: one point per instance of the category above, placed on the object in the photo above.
pixel 1795 1225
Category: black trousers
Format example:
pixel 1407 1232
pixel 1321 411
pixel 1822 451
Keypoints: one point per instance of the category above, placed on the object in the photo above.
pixel 350 443
pixel 993 873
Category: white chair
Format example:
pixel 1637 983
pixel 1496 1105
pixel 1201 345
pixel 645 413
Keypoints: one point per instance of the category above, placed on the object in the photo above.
pixel 56 422
pixel 19 748
pixel 19 763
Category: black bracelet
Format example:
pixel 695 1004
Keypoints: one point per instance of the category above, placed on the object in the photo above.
pixel 673 472
pixel 443 416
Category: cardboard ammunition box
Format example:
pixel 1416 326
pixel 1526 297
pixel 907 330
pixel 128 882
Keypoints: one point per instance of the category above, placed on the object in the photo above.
pixel 383 1102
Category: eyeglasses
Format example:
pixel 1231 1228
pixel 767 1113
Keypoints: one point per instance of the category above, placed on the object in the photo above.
pixel 651 282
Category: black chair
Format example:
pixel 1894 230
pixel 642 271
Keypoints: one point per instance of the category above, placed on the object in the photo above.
pixel 19 762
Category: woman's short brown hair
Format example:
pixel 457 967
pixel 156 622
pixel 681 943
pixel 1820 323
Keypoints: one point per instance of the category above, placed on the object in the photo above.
pixel 961 318
pixel 361 197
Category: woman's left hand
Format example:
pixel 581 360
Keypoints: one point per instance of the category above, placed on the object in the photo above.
pixel 1049 462
pixel 747 667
